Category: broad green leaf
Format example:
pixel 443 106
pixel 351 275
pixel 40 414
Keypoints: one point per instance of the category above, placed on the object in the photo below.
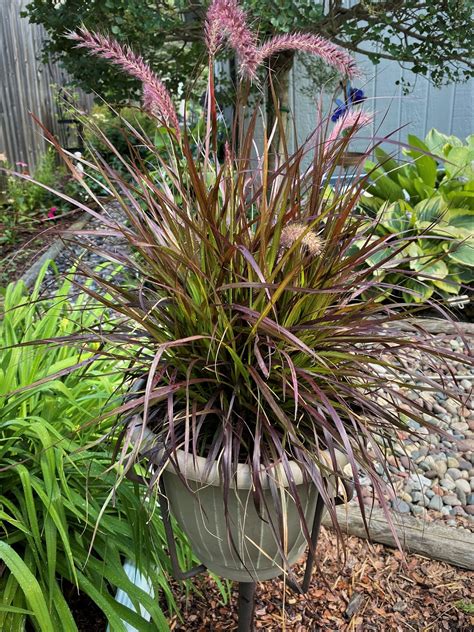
pixel 460 163
pixel 436 141
pixel 423 190
pixel 426 165
pixel 388 164
pixel 463 274
pixel 447 285
pixel 427 268
pixel 378 257
pixel 442 229
pixel 440 144
pixel 370 203
pixel 462 253
pixel 420 292
pixel 461 198
pixel 382 186
pixel 396 217
pixel 406 179
pixel 460 218
pixel 430 210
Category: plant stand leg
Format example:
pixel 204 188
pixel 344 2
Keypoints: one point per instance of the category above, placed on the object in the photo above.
pixel 246 606
pixel 318 515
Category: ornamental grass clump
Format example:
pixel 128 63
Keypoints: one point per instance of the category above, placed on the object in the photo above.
pixel 248 328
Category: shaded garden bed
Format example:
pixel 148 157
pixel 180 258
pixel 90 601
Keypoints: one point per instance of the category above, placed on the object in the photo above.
pixel 32 241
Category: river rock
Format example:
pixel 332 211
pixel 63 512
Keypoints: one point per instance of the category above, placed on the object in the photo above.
pixel 448 484
pixel 436 503
pixel 454 473
pixel 400 506
pixel 451 500
pixel 463 485
pixel 419 481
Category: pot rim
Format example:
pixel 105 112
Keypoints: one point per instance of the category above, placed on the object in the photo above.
pixel 192 468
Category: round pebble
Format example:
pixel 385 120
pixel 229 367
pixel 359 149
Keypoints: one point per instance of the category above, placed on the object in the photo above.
pixel 463 485
pixel 451 500
pixel 436 503
pixel 400 506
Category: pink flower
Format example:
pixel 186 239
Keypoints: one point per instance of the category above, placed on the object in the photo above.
pixel 156 98
pixel 226 19
pixel 52 212
pixel 21 164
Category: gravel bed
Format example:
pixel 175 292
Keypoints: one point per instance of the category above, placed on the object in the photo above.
pixel 78 248
pixel 433 476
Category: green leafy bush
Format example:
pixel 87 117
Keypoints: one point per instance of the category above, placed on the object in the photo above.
pixel 60 530
pixel 115 127
pixel 430 201
pixel 28 197
pixel 28 202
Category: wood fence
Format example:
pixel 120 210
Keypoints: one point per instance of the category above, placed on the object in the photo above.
pixel 26 85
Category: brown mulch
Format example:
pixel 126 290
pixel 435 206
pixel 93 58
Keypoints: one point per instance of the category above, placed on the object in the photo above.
pixel 376 590
pixel 31 242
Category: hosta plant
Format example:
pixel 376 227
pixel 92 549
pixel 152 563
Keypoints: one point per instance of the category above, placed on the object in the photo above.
pixel 429 199
pixel 252 328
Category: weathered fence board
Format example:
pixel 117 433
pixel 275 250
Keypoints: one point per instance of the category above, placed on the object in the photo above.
pixel 25 86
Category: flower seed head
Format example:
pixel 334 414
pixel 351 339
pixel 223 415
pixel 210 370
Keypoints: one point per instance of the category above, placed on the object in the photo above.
pixel 308 239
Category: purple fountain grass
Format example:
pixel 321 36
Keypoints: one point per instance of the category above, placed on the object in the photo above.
pixel 261 334
pixel 226 19
pixel 156 98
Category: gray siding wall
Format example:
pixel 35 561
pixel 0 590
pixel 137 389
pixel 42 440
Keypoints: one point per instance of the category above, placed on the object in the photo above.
pixel 450 109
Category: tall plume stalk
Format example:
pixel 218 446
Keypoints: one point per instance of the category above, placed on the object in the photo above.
pixel 156 98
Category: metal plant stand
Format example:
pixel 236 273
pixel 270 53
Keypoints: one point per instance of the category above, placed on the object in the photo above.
pixel 246 604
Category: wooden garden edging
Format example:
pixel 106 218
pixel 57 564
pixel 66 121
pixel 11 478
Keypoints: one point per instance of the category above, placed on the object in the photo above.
pixel 435 326
pixel 434 540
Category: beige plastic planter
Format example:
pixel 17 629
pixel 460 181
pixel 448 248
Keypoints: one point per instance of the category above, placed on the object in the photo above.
pixel 254 554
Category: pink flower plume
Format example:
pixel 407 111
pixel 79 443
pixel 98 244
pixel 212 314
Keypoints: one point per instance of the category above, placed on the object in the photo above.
pixel 156 98
pixel 225 19
pixel 351 121
pixel 316 45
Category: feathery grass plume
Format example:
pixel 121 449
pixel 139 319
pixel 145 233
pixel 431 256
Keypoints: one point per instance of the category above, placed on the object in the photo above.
pixel 307 43
pixel 226 19
pixel 156 98
pixel 296 231
pixel 353 120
